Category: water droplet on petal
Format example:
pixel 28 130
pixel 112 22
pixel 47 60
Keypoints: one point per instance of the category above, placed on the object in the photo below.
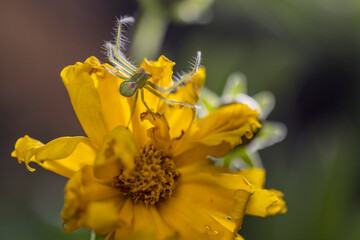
pixel 210 231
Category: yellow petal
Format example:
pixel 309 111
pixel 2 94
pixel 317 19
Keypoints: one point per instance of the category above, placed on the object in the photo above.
pixel 140 220
pixel 64 155
pixel 147 233
pixel 25 148
pixel 139 127
pixel 225 126
pixel 193 222
pixel 266 203
pixel 126 214
pixel 186 223
pixel 149 216
pixel 197 153
pixel 117 151
pixel 238 237
pixel 115 107
pixel 263 202
pixel 161 72
pixel 256 176
pixel 179 117
pixel 159 134
pixel 162 228
pixel 229 123
pixel 142 217
pixel 207 205
pixel 91 203
pixel 189 92
pixel 85 99
pixel 102 216
pixel 221 194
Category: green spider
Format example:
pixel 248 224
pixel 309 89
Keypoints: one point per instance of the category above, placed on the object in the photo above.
pixel 136 81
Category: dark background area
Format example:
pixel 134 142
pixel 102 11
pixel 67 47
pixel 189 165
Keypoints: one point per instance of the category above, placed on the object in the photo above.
pixel 306 52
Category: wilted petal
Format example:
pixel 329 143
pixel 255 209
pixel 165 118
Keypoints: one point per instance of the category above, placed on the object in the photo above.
pixel 91 203
pixel 118 151
pixel 85 99
pixel 64 155
pixel 265 203
pixel 161 75
pixel 159 133
pixel 180 117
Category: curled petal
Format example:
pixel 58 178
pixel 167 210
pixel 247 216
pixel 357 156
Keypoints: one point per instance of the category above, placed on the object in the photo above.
pixel 216 127
pixel 91 203
pixel 160 71
pixel 179 117
pixel 115 107
pixel 64 155
pixel 25 148
pixel 189 91
pixel 265 203
pixel 159 134
pixel 127 216
pixel 118 151
pixel 215 135
pixel 161 75
pixel 85 99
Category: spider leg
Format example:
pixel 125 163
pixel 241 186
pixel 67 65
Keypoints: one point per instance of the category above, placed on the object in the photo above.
pixel 123 60
pixel 170 102
pixel 120 68
pixel 184 78
pixel 133 108
pixel 156 87
pixel 115 75
pixel 143 100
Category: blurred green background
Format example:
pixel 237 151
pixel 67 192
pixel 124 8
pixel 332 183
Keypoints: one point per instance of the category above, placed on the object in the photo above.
pixel 307 52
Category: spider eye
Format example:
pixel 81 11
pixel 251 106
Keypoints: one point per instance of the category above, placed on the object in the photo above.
pixel 128 88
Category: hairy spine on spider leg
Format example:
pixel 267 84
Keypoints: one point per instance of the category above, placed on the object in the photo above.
pixel 134 79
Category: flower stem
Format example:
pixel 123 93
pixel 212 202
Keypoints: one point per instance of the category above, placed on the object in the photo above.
pixel 93 235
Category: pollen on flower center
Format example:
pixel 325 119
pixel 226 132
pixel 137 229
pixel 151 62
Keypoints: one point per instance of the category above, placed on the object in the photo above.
pixel 153 178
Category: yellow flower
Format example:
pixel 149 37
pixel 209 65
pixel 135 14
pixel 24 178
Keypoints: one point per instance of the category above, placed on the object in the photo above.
pixel 154 174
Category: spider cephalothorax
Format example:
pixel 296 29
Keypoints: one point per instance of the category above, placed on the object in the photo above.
pixel 136 81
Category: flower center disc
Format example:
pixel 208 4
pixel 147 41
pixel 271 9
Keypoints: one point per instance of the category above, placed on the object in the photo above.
pixel 152 180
